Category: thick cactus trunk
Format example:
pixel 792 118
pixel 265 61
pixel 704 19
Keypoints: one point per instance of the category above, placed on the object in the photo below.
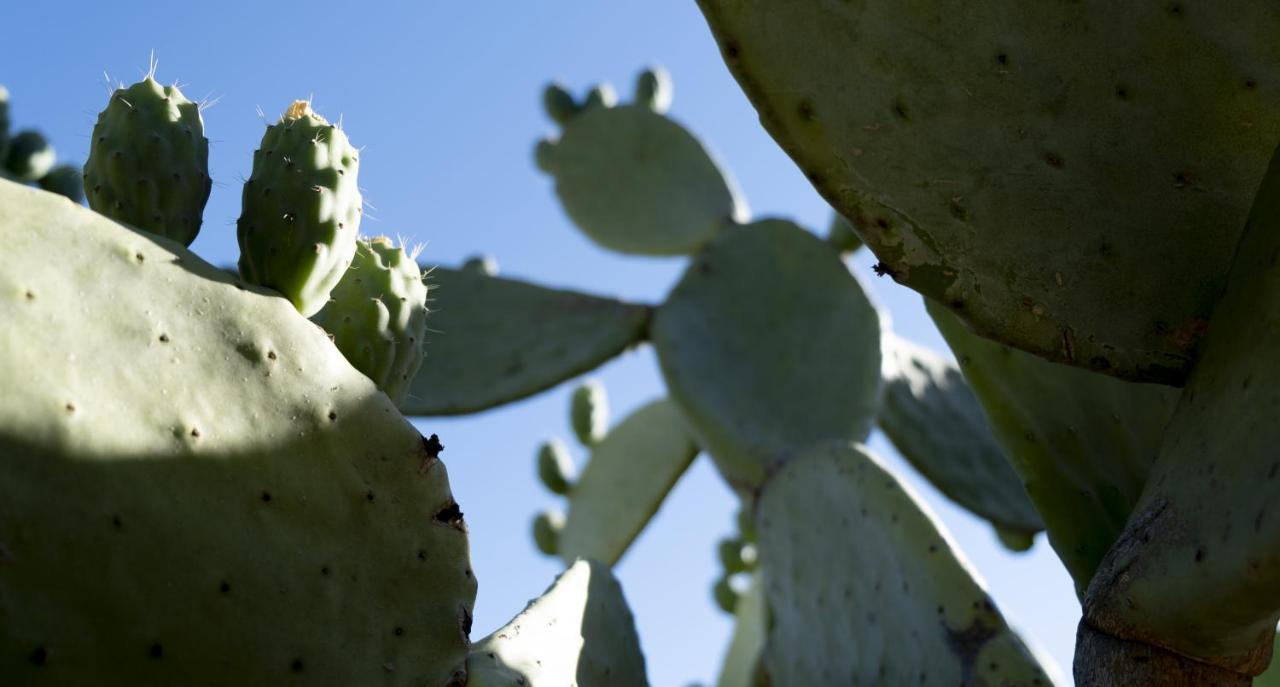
pixel 1105 661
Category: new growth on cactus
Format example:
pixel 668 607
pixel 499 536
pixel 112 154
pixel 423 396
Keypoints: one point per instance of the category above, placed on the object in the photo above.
pixel 28 157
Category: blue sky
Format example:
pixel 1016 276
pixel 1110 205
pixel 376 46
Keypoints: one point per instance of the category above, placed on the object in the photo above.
pixel 444 99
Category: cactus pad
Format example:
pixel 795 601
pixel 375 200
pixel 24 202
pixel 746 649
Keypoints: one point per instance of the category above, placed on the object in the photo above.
pixel 378 316
pixel 863 587
pixel 301 209
pixel 257 513
pixel 555 468
pixel 148 163
pixel 1082 442
pixel 768 342
pixel 1198 568
pixel 636 182
pixel 624 483
pixel 497 340
pixel 742 660
pixel 30 156
pixel 64 180
pixel 580 632
pixel 589 412
pixel 1029 164
pixel 932 417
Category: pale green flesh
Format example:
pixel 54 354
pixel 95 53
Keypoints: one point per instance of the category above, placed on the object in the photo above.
pixel 863 587
pixel 494 340
pixel 766 343
pixel 741 662
pixel 629 475
pixel 255 513
pixel 1069 177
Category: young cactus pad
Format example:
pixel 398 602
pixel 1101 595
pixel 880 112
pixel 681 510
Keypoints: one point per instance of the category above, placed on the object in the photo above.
pixel 627 478
pixel 932 417
pixel 1027 163
pixel 501 340
pixel 767 343
pixel 378 315
pixel 148 163
pixel 636 182
pixel 29 156
pixel 301 209
pixel 589 412
pixel 865 589
pixel 1197 570
pixel 257 513
pixel 580 632
pixel 1082 442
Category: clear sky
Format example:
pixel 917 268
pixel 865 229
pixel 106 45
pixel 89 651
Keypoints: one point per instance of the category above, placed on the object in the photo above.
pixel 444 99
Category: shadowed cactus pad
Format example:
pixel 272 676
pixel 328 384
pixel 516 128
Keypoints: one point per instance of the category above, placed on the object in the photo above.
pixel 148 163
pixel 864 589
pixel 931 416
pixel 636 182
pixel 1069 177
pixel 257 513
pixel 579 632
pixel 768 343
pixel 496 340
pixel 378 315
pixel 301 209
pixel 29 156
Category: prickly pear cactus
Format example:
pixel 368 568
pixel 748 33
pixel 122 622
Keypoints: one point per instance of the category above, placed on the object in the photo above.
pixel 256 513
pixel 29 156
pixel 148 161
pixel 301 209
pixel 1197 569
pixel 580 632
pixel 1082 442
pixel 910 611
pixel 735 340
pixel 932 417
pixel 589 412
pixel 555 468
pixel 4 125
pixel 633 180
pixel 64 180
pixel 741 666
pixel 1026 164
pixel 377 315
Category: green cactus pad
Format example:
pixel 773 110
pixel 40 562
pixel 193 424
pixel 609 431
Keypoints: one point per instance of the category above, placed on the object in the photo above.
pixel 64 180
pixel 580 632
pixel 1197 570
pixel 547 527
pixel 1081 442
pixel 654 90
pixel 589 412
pixel 725 596
pixel 148 163
pixel 498 340
pixel 932 417
pixel 636 182
pixel 742 660
pixel 624 483
pixel 767 343
pixel 301 209
pixel 378 316
pixel 29 157
pixel 256 513
pixel 555 468
pixel 1070 178
pixel 864 588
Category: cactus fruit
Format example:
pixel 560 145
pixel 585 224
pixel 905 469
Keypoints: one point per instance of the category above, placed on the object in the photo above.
pixel 1026 164
pixel 630 473
pixel 547 527
pixel 653 89
pixel 932 417
pixel 636 182
pixel 803 355
pixel 502 340
pixel 555 467
pixel 301 209
pixel 1081 442
pixel 893 605
pixel 148 161
pixel 64 180
pixel 1197 570
pixel 600 95
pixel 255 513
pixel 580 632
pixel 29 156
pixel 377 315
pixel 729 551
pixel 589 412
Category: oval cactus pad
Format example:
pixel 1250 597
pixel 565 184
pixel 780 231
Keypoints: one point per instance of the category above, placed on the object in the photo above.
pixel 769 343
pixel 1069 177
